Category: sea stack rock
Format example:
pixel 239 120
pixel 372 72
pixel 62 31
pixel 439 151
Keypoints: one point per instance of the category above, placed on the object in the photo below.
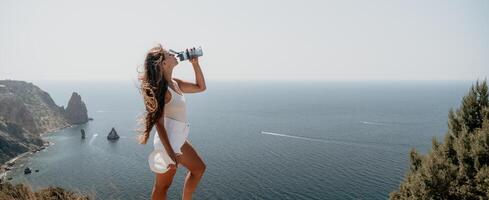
pixel 83 134
pixel 76 111
pixel 113 135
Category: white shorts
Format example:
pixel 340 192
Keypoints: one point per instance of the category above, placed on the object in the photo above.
pixel 177 132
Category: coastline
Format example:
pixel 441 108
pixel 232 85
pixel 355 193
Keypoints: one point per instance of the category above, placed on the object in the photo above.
pixel 56 130
pixel 7 167
pixel 49 117
pixel 3 168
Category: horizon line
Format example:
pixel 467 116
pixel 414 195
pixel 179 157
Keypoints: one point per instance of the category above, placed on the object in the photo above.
pixel 260 80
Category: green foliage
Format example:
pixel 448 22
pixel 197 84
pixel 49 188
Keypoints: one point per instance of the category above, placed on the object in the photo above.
pixel 458 168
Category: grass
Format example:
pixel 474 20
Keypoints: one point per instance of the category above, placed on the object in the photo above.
pixel 24 192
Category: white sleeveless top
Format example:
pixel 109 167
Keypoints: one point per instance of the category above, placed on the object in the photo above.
pixel 176 107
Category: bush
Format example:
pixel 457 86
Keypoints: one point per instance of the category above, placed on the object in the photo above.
pixel 24 192
pixel 458 168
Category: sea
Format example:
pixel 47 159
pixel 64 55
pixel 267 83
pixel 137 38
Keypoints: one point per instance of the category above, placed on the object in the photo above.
pixel 259 139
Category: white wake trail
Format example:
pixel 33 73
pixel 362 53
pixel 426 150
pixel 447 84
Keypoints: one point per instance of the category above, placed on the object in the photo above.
pixel 333 141
pixel 293 136
pixel 373 123
pixel 93 138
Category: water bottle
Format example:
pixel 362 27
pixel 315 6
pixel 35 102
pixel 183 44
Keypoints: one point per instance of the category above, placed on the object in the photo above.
pixel 188 54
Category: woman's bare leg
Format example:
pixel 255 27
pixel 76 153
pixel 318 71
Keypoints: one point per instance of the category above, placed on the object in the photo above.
pixel 196 167
pixel 162 183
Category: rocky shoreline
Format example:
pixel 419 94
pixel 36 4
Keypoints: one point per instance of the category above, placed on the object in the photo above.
pixel 10 165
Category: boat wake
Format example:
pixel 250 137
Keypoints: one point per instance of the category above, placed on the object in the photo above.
pixel 373 123
pixel 92 139
pixel 293 136
pixel 335 141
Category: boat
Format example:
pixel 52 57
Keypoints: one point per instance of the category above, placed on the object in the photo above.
pixel 27 170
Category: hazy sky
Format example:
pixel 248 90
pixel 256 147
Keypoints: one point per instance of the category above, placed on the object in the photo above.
pixel 247 40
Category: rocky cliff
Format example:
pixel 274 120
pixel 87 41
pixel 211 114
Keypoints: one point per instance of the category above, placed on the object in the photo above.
pixel 30 107
pixel 76 111
pixel 26 111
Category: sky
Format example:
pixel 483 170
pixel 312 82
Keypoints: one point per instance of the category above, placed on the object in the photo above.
pixel 247 40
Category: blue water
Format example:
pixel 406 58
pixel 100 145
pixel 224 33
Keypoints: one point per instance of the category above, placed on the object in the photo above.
pixel 259 139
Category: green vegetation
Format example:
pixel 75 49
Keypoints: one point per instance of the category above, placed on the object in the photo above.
pixel 24 192
pixel 458 167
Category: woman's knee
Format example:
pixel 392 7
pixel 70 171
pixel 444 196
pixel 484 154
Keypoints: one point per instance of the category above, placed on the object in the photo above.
pixel 199 171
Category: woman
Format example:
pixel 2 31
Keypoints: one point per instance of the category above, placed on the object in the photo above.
pixel 166 109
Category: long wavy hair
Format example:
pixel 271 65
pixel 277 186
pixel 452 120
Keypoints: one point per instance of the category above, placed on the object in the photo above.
pixel 153 87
